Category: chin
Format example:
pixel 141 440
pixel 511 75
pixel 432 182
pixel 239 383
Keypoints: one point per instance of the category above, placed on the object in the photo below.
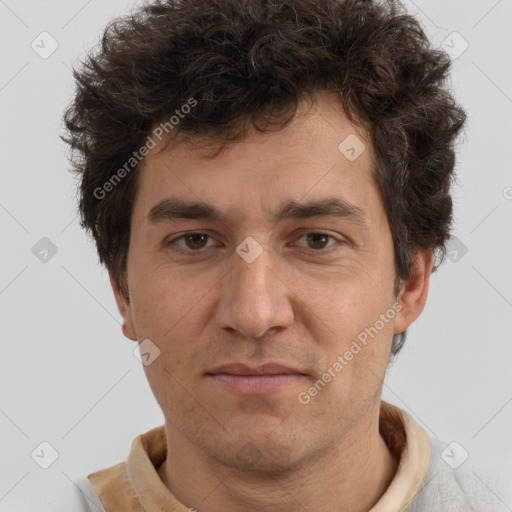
pixel 250 457
pixel 261 453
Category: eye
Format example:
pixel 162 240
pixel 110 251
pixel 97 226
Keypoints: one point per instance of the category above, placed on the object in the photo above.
pixel 192 242
pixel 318 241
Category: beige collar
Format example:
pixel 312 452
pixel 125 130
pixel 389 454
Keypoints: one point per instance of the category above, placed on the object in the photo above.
pixel 412 445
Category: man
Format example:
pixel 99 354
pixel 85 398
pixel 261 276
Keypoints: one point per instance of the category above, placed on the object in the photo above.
pixel 268 184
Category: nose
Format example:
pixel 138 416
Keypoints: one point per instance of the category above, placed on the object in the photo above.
pixel 255 298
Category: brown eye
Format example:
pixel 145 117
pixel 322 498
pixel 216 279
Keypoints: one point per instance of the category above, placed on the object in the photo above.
pixel 317 240
pixel 318 243
pixel 195 241
pixel 190 243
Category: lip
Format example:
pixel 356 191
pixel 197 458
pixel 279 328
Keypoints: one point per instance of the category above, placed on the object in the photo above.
pixel 264 369
pixel 245 380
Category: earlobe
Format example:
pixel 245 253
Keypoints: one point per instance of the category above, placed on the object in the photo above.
pixel 124 308
pixel 414 291
pixel 128 331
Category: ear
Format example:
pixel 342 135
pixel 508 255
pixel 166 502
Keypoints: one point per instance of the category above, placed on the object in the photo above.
pixel 414 291
pixel 124 308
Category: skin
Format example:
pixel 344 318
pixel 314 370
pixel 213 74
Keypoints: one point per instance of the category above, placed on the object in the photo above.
pixel 210 307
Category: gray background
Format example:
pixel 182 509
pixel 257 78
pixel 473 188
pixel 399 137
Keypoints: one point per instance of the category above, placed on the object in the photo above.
pixel 68 375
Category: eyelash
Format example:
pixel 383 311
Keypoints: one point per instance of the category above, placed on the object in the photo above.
pixel 311 252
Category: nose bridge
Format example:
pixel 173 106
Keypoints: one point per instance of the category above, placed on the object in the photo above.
pixel 252 279
pixel 253 299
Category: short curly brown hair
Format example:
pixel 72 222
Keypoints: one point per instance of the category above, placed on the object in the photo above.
pixel 247 64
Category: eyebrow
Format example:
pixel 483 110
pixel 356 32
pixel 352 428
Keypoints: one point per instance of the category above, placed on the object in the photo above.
pixel 174 208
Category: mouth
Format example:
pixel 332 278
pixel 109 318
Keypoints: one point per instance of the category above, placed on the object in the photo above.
pixel 245 380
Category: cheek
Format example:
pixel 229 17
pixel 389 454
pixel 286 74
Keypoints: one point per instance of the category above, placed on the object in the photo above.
pixel 344 298
pixel 173 316
pixel 351 317
pixel 164 301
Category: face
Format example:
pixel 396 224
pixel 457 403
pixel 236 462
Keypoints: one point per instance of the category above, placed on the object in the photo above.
pixel 279 269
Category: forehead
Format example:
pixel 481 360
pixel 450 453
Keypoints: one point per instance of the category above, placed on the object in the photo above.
pixel 319 153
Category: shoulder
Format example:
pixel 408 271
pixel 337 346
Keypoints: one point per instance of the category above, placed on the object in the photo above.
pixel 454 482
pixel 76 496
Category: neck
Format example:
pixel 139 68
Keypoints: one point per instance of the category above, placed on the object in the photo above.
pixel 351 475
